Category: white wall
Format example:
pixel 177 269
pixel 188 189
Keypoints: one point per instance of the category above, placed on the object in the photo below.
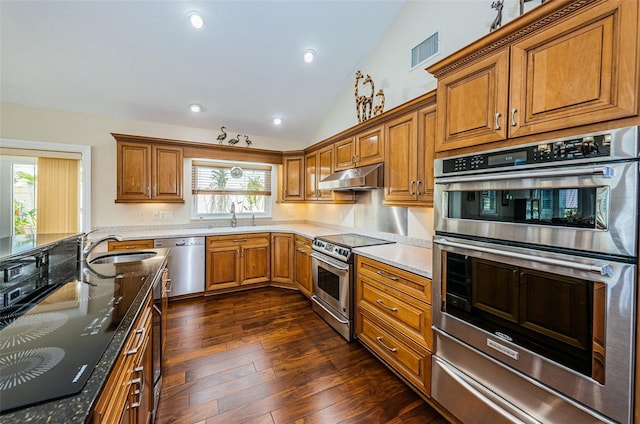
pixel 35 124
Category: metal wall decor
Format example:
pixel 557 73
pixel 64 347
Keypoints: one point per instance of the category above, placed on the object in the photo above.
pixel 232 142
pixel 497 21
pixel 365 107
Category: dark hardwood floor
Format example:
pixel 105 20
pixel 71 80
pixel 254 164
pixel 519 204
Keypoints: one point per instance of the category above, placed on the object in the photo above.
pixel 263 356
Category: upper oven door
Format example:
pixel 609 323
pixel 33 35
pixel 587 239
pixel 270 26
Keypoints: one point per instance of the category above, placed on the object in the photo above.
pixel 331 282
pixel 590 207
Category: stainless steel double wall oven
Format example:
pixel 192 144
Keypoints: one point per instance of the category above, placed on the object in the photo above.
pixel 535 273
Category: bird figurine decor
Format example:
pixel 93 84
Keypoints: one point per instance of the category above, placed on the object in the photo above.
pixel 497 21
pixel 246 140
pixel 222 136
pixel 234 141
pixel 365 108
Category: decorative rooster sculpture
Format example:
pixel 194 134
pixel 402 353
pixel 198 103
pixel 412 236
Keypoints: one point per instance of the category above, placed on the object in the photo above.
pixel 222 136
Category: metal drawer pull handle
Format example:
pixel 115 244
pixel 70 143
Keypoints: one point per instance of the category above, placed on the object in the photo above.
pixel 141 331
pixel 391 349
pixel 498 114
pixel 301 250
pixel 239 240
pixel 390 277
pixel 513 117
pixel 418 186
pixel 170 281
pixel 381 303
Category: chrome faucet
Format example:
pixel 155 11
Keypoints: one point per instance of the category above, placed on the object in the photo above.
pixel 234 220
pixel 91 246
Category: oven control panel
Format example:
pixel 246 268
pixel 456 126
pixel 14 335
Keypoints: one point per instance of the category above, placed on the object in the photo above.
pixel 588 147
pixel 338 252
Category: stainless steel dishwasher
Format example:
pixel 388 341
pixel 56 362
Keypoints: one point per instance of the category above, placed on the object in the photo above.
pixel 186 264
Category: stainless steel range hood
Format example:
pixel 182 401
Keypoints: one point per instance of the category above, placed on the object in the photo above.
pixel 363 178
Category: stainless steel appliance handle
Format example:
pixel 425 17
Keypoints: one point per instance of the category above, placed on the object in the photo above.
pixel 314 299
pixel 604 171
pixel 485 395
pixel 324 261
pixel 604 269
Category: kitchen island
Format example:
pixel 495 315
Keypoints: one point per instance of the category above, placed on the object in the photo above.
pixel 97 307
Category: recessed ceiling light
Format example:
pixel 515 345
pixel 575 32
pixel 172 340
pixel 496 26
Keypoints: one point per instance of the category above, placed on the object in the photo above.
pixel 195 108
pixel 308 56
pixel 196 20
pixel 277 121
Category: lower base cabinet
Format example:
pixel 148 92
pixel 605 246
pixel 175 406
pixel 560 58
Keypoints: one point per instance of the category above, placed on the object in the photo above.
pixel 303 279
pixel 393 319
pixel 128 394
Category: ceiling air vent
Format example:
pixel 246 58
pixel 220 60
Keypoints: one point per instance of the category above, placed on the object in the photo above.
pixel 425 50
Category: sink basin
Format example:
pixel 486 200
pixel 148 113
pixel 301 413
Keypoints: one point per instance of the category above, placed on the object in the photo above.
pixel 122 257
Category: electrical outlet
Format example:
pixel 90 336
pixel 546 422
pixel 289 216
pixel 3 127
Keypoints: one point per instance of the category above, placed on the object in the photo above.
pixel 166 215
pixel 154 215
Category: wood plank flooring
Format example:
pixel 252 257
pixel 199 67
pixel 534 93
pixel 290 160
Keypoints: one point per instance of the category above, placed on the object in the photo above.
pixel 263 356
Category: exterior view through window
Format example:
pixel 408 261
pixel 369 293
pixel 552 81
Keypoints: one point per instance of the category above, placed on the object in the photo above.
pixel 219 188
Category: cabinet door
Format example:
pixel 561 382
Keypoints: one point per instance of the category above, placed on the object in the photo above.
pixel 426 154
pixel 255 261
pixel 400 164
pixel 282 259
pixel 134 171
pixel 293 179
pixel 311 176
pixel 325 168
pixel 223 266
pixel 130 245
pixel 472 103
pixel 345 154
pixel 303 265
pixel 577 72
pixel 370 146
pixel 167 173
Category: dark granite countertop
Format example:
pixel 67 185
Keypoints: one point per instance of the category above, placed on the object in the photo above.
pixel 78 408
pixel 24 243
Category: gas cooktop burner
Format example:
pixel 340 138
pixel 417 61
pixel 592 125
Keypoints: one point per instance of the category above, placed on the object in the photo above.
pixel 25 365
pixel 30 327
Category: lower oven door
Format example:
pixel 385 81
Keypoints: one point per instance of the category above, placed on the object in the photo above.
pixel 562 320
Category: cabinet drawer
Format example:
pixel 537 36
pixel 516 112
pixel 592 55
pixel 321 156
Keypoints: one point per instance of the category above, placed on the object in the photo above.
pixel 405 313
pixel 238 239
pixel 409 360
pixel 303 243
pixel 130 245
pixel 406 282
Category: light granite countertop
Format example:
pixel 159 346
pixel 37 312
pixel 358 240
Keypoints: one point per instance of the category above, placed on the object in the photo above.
pixel 410 258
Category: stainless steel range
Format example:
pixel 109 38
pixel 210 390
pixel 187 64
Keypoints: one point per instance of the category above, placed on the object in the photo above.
pixel 333 278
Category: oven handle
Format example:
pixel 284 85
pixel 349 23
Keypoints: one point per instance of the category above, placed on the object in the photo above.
pixel 324 261
pixel 314 298
pixel 604 171
pixel 605 270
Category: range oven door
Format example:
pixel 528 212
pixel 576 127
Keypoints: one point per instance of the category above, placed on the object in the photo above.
pixel 587 207
pixel 332 292
pixel 561 320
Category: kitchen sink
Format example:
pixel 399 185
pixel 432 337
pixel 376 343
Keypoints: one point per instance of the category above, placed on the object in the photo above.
pixel 122 257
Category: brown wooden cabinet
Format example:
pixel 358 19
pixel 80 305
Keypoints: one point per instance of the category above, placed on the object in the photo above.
pixel 303 269
pixel 364 148
pixel 128 394
pixel 293 177
pixel 319 165
pixel 148 172
pixel 113 246
pixel 393 319
pixel 237 261
pixel 282 259
pixel 559 66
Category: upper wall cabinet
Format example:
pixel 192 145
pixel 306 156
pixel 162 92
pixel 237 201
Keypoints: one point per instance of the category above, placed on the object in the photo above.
pixel 365 148
pixel 148 172
pixel 318 166
pixel 293 177
pixel 564 64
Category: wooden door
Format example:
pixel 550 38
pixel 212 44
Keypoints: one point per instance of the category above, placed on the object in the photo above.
pixel 344 154
pixel 370 146
pixel 167 174
pixel 580 71
pixel 255 261
pixel 311 176
pixel 400 163
pixel 325 168
pixel 282 259
pixel 426 153
pixel 223 266
pixel 303 265
pixel 293 178
pixel 472 103
pixel 134 171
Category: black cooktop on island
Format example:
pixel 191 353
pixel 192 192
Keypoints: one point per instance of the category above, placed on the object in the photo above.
pixel 51 350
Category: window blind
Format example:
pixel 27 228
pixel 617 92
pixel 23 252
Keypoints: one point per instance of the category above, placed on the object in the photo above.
pixel 230 179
